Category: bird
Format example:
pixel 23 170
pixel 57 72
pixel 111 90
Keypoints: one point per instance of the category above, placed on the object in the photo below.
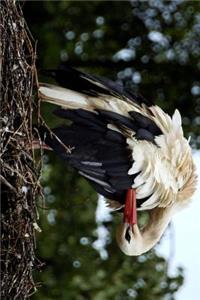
pixel 130 150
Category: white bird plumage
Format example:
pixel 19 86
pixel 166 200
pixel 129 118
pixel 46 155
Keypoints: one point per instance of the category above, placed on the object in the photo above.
pixel 167 172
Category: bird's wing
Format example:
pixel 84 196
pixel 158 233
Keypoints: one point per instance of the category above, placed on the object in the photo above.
pixel 97 152
pixel 99 149
pixel 119 140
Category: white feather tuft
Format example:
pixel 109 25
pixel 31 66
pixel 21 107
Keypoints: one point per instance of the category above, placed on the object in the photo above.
pixel 177 123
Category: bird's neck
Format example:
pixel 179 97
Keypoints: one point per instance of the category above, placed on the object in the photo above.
pixel 159 218
pixel 142 240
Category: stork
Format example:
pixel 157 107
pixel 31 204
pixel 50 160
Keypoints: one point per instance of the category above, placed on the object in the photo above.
pixel 129 149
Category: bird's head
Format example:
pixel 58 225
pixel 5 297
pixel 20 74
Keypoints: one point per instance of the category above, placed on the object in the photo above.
pixel 129 239
pixel 132 241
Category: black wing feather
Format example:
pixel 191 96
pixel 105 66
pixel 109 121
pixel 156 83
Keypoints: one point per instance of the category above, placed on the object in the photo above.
pixel 117 119
pixel 102 157
pixel 145 123
pixel 87 84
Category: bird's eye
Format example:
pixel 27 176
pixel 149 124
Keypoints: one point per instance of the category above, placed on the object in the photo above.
pixel 127 235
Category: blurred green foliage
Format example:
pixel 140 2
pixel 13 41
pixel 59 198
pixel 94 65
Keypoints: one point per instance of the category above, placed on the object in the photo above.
pixel 153 47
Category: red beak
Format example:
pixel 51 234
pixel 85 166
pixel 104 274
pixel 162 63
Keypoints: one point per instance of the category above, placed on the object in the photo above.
pixel 130 210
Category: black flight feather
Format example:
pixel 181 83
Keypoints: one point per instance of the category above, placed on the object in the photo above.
pixel 146 123
pixel 92 85
pixel 117 119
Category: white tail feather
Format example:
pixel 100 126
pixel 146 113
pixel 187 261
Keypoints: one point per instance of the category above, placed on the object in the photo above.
pixel 63 97
pixel 67 98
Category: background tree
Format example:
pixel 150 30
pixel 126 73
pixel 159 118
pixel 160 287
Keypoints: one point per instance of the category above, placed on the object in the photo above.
pixel 152 47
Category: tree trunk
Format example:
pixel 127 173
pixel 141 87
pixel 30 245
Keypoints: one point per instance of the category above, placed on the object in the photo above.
pixel 19 171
